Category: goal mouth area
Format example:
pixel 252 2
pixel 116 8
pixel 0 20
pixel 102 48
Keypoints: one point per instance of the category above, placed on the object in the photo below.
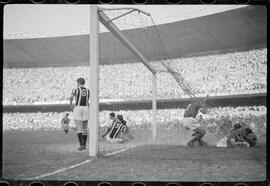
pixel 166 136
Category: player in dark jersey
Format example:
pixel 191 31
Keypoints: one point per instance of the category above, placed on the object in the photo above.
pixel 192 123
pixel 250 137
pixel 80 111
pixel 234 135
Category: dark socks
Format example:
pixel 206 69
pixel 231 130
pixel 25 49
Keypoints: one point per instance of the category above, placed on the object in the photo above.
pixel 80 138
pixel 84 139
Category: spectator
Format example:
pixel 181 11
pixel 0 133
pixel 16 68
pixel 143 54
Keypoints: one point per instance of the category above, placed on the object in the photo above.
pixel 220 74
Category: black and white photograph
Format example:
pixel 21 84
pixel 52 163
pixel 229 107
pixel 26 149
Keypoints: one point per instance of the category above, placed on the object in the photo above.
pixel 173 93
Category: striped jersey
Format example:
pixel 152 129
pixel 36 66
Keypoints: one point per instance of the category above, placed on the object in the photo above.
pixel 192 109
pixel 116 129
pixel 81 96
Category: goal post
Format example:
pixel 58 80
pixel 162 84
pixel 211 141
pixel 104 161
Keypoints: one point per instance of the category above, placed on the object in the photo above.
pixel 154 106
pixel 96 16
pixel 93 81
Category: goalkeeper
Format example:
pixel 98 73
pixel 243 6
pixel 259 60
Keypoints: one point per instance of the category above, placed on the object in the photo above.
pixel 192 119
pixel 236 136
pixel 250 137
pixel 65 123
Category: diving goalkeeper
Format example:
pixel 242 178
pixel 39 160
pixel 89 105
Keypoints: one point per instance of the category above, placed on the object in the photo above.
pixel 192 119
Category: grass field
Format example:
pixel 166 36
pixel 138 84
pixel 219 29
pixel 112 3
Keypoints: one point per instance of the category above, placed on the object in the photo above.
pixel 27 154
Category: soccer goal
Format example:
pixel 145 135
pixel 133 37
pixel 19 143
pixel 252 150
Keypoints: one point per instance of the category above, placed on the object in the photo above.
pixel 126 44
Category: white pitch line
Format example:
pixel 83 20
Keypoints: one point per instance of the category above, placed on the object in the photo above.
pixel 60 170
pixel 119 151
pixel 79 164
pixel 123 150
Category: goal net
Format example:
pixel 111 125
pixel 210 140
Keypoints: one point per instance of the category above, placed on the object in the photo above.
pixel 135 53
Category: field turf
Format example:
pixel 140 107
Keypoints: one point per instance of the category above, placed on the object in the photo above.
pixel 27 154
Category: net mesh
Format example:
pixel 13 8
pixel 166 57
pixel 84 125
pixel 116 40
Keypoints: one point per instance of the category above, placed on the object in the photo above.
pixel 141 31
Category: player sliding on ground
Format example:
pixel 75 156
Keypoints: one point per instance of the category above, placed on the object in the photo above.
pixel 192 119
pixel 80 111
pixel 238 135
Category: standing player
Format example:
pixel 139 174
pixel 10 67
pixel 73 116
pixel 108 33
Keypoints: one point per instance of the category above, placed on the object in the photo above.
pixel 191 122
pixel 80 111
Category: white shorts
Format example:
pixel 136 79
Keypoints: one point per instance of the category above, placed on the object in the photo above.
pixel 190 123
pixel 81 113
pixel 113 140
pixel 81 127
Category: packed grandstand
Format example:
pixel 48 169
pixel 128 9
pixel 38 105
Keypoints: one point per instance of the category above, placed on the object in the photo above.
pixel 221 74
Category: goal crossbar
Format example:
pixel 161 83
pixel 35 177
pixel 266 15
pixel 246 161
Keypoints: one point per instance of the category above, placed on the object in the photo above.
pixel 105 20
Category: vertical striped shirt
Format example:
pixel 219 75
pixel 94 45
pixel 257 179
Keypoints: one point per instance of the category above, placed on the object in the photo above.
pixel 116 129
pixel 81 96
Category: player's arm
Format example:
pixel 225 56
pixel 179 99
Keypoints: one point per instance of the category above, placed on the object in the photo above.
pixel 88 97
pixel 73 93
pixel 108 130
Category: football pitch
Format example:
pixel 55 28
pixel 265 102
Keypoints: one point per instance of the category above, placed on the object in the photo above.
pixel 38 154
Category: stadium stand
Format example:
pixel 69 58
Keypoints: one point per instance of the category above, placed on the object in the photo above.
pixel 221 74
pixel 252 116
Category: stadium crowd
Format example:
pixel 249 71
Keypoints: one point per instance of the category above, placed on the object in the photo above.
pixel 220 74
pixel 218 120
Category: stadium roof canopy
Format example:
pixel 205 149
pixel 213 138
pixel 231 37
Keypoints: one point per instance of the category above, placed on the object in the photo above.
pixel 238 28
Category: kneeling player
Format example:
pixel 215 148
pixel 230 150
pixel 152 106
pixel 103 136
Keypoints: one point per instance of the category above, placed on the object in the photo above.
pixel 113 119
pixel 125 135
pixel 250 137
pixel 234 137
pixel 65 123
pixel 114 135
